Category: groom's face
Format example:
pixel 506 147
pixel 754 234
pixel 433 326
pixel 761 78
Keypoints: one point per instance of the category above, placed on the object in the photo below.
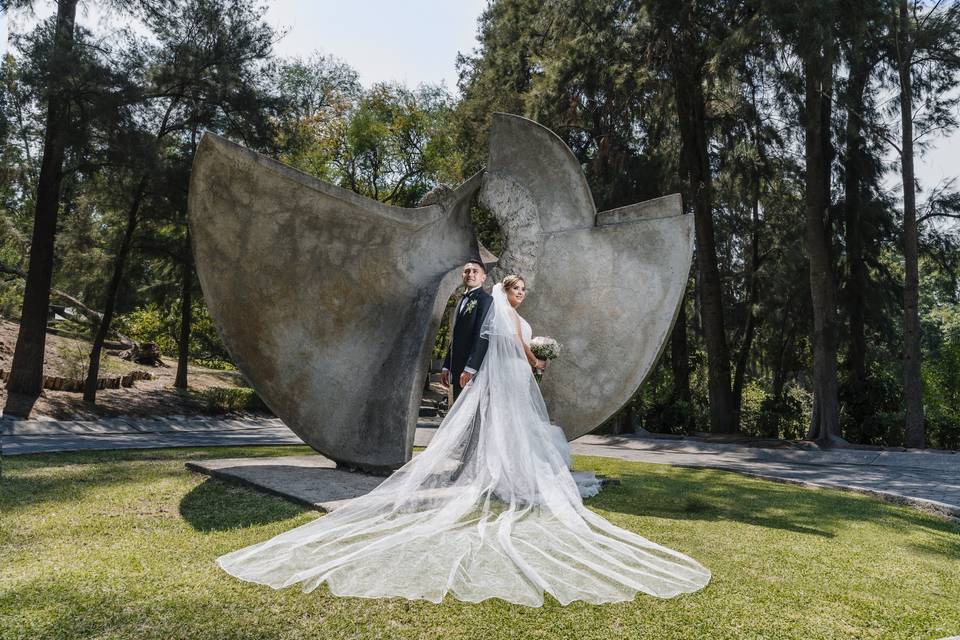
pixel 473 275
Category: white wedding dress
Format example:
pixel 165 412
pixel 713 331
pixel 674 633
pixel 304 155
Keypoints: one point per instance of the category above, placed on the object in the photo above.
pixel 489 509
pixel 587 482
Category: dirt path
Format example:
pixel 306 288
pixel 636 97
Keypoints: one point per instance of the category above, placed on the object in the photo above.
pixel 66 357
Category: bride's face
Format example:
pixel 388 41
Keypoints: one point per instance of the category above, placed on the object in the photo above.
pixel 516 294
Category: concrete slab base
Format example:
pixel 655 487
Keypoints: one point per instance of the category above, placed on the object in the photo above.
pixel 311 480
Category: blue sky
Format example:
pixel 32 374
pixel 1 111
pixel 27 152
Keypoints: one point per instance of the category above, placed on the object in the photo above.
pixel 410 41
pixel 416 41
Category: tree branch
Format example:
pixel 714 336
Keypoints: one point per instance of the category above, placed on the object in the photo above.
pixel 939 214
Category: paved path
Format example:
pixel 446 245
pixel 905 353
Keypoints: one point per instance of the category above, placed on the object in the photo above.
pixel 926 479
pixel 44 436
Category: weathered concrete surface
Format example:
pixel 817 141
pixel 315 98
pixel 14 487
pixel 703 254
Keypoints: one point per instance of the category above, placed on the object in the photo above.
pixel 21 437
pixel 607 285
pixel 313 481
pixel 327 301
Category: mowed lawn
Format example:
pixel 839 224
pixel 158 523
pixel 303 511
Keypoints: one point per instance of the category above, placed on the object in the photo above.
pixel 122 545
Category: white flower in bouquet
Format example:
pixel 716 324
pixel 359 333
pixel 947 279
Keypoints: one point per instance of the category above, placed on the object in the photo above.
pixel 545 348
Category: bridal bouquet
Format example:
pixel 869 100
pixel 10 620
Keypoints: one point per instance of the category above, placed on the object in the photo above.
pixel 545 348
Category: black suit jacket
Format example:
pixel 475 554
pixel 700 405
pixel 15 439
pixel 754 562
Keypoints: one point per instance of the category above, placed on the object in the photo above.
pixel 467 348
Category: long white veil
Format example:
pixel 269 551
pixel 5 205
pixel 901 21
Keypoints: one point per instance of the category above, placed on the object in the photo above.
pixel 489 509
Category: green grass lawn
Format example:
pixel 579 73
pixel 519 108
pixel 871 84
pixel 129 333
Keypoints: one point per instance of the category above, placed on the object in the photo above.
pixel 122 545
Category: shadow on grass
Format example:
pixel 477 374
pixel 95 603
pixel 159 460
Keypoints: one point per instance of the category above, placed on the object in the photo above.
pixel 35 479
pixel 715 495
pixel 701 495
pixel 35 485
pixel 214 505
pixel 646 490
pixel 943 543
pixel 110 606
pixel 66 619
pixel 76 606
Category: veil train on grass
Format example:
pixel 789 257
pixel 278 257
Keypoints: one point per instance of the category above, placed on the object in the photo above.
pixel 488 510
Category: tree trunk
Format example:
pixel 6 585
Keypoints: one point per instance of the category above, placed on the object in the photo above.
pixel 912 382
pixel 771 427
pixel 93 370
pixel 26 375
pixel 186 313
pixel 680 361
pixel 853 168
pixel 691 114
pixel 825 414
pixel 623 422
pixel 750 323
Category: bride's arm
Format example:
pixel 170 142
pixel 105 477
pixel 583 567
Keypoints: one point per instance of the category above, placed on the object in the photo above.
pixel 532 359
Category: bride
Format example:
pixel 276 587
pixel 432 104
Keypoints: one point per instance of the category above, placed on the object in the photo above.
pixel 489 509
pixel 515 290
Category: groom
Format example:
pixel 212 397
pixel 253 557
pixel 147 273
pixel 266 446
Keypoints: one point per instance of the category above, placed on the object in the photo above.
pixel 467 348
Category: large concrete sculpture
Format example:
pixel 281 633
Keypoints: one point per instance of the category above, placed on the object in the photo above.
pixel 328 301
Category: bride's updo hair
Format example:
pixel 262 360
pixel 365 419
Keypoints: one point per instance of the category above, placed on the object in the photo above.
pixel 511 280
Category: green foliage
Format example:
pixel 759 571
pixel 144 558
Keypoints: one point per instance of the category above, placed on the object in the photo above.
pixel 872 408
pixel 389 143
pixel 161 325
pixel 941 377
pixel 487 229
pixel 149 324
pixel 206 347
pixel 752 406
pixel 11 300
pixel 232 399
pixel 660 407
pixel 76 359
pixel 785 416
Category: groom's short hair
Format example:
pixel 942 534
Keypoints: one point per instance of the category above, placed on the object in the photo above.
pixel 482 266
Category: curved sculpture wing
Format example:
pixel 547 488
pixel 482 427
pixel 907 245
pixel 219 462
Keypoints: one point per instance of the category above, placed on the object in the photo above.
pixel 606 285
pixel 327 301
